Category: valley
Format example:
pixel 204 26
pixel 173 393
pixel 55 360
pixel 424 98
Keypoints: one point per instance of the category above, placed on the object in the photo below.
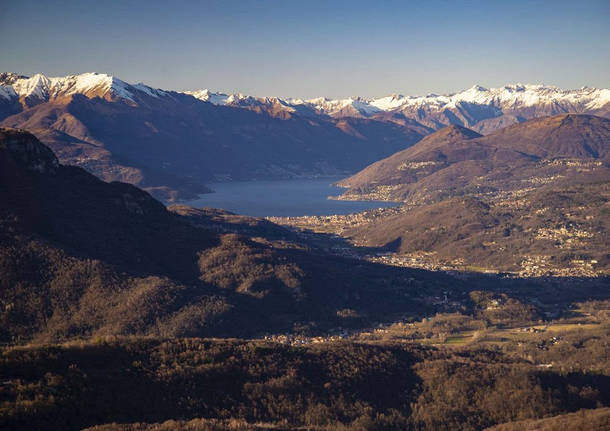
pixel 489 276
pixel 528 201
pixel 518 238
pixel 174 143
pixel 268 215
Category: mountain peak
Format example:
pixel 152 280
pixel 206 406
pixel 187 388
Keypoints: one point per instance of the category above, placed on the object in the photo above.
pixel 39 88
pixel 24 149
pixel 456 131
pixel 7 78
pixel 448 135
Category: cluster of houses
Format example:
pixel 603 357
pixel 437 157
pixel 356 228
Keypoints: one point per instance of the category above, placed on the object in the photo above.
pixel 540 266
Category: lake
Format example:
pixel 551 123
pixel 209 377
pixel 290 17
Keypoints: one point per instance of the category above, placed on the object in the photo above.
pixel 282 198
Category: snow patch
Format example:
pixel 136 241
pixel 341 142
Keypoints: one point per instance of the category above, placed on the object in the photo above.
pixel 207 96
pixel 154 92
pixel 7 92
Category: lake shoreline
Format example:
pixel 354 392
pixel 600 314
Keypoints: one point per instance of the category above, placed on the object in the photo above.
pixel 284 198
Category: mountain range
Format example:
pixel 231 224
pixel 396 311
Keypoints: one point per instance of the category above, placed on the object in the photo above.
pixel 172 143
pixel 105 291
pixel 482 109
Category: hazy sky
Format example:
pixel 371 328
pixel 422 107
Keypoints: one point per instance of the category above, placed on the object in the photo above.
pixel 308 48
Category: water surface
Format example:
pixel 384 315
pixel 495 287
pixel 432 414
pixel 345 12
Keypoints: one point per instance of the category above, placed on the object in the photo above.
pixel 282 198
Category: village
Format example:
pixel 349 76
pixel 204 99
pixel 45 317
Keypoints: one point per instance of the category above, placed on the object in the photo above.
pixel 568 229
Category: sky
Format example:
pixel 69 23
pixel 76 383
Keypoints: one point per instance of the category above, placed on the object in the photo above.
pixel 310 48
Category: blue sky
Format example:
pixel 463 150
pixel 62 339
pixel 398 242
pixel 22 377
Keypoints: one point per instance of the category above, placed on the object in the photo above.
pixel 310 48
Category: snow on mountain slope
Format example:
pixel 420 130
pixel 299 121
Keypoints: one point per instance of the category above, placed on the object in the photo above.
pixel 327 106
pixel 235 99
pixel 40 88
pixel 240 100
pixel 507 97
pixel 602 99
pixel 154 92
pixel 7 92
pixel 389 103
pixel 466 108
pixel 208 96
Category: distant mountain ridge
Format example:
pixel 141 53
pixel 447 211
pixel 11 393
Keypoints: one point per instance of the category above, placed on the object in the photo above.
pixel 171 143
pixel 508 97
pixel 495 102
pixel 482 109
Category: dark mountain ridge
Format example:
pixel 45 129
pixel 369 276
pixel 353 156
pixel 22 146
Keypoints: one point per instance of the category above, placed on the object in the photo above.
pixel 82 257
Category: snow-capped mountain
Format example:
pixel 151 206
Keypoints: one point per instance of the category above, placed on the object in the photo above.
pixel 495 107
pixel 243 101
pixel 40 88
pixel 509 97
pixel 209 96
pixel 482 109
pixel 170 143
pixel 340 107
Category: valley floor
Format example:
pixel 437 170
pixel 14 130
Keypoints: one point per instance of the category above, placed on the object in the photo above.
pixel 446 372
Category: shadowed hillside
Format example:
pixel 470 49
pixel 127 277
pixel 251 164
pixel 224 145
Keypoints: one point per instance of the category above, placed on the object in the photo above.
pixel 80 256
pixel 171 144
pixel 142 384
